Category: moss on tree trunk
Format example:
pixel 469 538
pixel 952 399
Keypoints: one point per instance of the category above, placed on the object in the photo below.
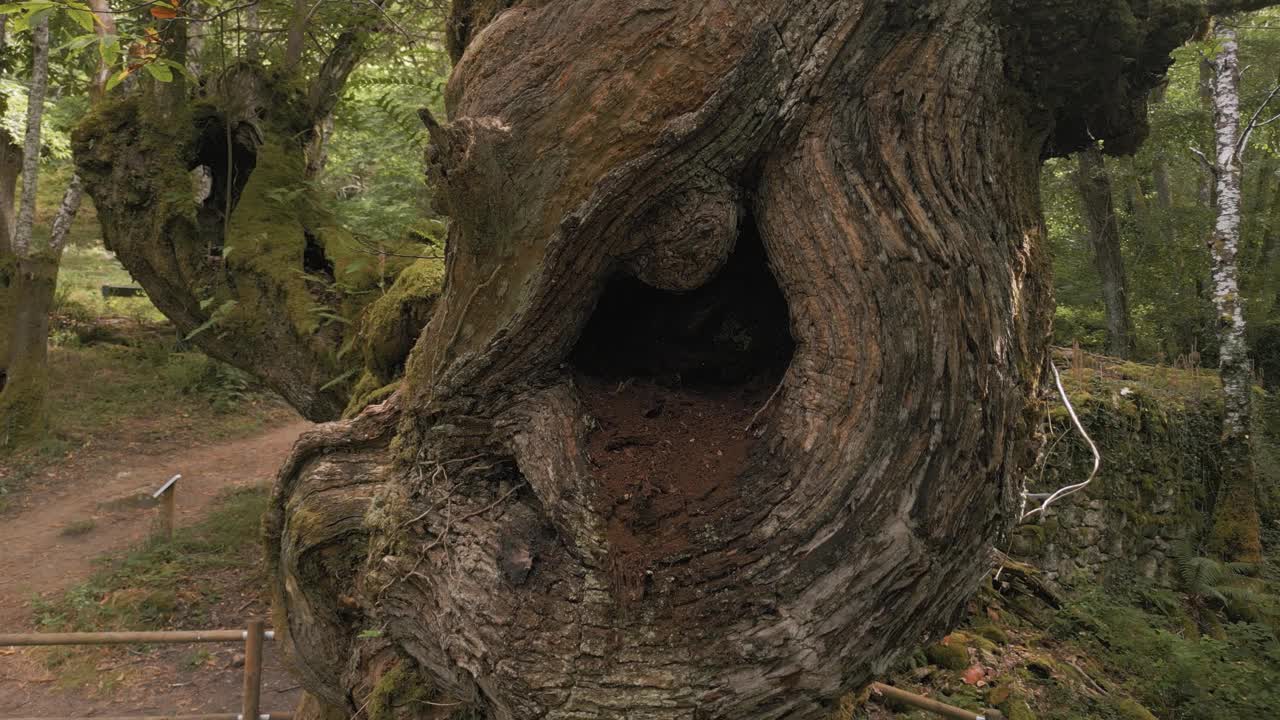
pixel 250 267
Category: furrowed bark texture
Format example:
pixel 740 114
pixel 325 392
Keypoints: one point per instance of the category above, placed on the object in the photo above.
pixel 1236 531
pixel 885 155
pixel 1104 238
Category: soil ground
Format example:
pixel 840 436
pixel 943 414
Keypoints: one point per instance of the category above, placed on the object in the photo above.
pixel 58 526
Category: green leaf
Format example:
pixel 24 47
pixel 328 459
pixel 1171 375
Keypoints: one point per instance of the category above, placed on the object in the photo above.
pixel 118 78
pixel 369 634
pixel 162 73
pixel 179 67
pixel 83 18
pixel 30 6
pixel 110 49
pixel 223 310
pixel 78 42
pixel 37 16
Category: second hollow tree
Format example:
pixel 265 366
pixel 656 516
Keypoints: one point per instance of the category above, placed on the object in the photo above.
pixel 732 382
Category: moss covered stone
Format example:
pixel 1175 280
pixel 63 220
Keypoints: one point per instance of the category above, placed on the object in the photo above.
pixel 950 654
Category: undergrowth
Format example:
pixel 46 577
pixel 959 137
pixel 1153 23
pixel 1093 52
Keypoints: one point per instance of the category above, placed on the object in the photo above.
pixel 1152 653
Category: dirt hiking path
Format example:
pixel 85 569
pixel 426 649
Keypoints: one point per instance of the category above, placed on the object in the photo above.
pixel 38 559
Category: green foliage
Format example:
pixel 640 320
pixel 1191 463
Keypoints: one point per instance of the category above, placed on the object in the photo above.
pixel 1213 585
pixel 375 169
pixel 1164 247
pixel 1171 673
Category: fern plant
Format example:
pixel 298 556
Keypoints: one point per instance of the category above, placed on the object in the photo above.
pixel 1214 587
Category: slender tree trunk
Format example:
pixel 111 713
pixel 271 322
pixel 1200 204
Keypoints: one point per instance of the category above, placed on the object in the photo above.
pixel 296 35
pixel 1207 182
pixel 104 25
pixel 10 167
pixel 22 240
pixel 1097 201
pixel 22 399
pixel 1160 164
pixel 252 37
pixel 1236 532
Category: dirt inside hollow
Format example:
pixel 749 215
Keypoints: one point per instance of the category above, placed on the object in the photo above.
pixel 668 462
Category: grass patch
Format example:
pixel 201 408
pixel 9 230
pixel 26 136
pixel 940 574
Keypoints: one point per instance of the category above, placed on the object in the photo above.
pixel 167 585
pixel 78 528
pixel 83 272
pixel 116 396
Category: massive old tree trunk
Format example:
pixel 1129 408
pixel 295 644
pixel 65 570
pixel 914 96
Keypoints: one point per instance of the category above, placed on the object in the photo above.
pixel 732 382
pixel 1236 527
pixel 1098 203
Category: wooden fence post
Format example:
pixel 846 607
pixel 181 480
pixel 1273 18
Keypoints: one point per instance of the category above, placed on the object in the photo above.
pixel 166 496
pixel 252 669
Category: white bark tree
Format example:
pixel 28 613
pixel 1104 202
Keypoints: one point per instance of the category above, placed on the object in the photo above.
pixel 30 269
pixel 1236 525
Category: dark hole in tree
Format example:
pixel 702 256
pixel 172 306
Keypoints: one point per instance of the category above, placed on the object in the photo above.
pixel 211 153
pixel 674 382
pixel 314 261
pixel 731 331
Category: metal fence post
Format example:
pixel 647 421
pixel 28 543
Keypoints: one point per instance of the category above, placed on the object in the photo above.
pixel 252 669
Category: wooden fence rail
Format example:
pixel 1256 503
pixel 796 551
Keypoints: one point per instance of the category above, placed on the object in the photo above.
pixel 254 634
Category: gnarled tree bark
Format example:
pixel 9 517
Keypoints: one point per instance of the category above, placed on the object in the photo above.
pixel 652 170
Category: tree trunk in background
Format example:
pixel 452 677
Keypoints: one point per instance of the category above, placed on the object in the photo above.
pixel 35 268
pixel 1236 532
pixel 1097 202
pixel 734 375
pixel 10 167
pixel 1160 164
pixel 1207 183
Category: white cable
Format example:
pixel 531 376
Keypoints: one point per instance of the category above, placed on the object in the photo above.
pixel 1070 489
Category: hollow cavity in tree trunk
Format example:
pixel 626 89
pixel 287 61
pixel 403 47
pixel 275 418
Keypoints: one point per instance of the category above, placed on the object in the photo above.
pixel 672 382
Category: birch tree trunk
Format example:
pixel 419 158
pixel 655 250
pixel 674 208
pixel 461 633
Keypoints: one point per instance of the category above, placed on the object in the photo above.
pixel 1236 532
pixel 1098 203
pixel 35 269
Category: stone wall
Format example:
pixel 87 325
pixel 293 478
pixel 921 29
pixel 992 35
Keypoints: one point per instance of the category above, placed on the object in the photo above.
pixel 1152 499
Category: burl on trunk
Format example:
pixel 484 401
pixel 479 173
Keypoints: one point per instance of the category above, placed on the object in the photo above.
pixel 732 381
